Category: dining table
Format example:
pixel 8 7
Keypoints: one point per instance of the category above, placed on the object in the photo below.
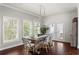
pixel 33 39
pixel 37 41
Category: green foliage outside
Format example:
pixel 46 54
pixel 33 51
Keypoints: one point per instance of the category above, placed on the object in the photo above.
pixel 26 28
pixel 34 30
pixel 10 29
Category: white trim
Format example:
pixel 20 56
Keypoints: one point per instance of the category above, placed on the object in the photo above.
pixel 21 10
pixel 78 47
pixel 10 46
pixel 62 40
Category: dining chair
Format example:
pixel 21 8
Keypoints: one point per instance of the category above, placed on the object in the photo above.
pixel 28 46
pixel 38 46
pixel 48 43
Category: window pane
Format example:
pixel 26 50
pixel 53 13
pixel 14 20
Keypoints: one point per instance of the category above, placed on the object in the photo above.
pixel 36 28
pixel 30 29
pixel 60 31
pixel 9 28
pixel 52 30
pixel 26 28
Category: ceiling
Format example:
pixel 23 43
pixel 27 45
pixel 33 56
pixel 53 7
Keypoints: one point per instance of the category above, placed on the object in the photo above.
pixel 50 8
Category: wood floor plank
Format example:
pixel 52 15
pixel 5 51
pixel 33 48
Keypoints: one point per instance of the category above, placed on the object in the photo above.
pixel 58 48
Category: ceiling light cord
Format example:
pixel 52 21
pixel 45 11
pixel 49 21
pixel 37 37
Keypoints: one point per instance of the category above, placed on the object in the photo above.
pixel 42 8
pixel 44 11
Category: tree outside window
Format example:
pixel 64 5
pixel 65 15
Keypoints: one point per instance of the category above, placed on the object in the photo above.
pixel 9 28
pixel 30 29
pixel 26 28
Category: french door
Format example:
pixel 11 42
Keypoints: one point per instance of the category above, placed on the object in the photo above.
pixel 56 31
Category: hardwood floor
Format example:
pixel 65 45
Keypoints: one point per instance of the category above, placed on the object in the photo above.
pixel 58 48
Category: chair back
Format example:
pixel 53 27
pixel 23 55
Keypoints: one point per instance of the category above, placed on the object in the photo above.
pixel 26 42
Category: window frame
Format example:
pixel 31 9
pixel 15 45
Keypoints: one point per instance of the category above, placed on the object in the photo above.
pixel 36 26
pixel 31 27
pixel 17 30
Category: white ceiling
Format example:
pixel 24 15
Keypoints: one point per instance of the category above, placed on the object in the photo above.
pixel 50 8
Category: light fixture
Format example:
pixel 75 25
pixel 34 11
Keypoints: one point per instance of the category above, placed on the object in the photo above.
pixel 42 10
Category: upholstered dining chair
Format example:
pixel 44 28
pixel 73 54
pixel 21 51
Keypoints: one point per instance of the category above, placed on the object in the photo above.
pixel 38 46
pixel 32 46
pixel 47 43
pixel 50 40
pixel 28 46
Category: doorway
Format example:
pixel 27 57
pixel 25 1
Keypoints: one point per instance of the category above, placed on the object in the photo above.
pixel 57 31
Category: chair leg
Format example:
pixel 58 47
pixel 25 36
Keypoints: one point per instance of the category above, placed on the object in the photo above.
pixel 46 49
pixel 26 50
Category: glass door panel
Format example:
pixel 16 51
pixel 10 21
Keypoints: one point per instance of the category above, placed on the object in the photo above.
pixel 56 31
pixel 59 31
pixel 52 31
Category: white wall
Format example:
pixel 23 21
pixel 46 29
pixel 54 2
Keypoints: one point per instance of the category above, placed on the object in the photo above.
pixel 4 11
pixel 66 19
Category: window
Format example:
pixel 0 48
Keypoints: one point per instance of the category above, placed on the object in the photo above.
pixel 30 28
pixel 36 28
pixel 52 30
pixel 10 29
pixel 57 31
pixel 27 28
pixel 60 31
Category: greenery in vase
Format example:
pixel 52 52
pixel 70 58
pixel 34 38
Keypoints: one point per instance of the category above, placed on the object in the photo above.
pixel 43 29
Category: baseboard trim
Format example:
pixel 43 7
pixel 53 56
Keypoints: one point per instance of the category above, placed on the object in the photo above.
pixel 11 47
pixel 61 41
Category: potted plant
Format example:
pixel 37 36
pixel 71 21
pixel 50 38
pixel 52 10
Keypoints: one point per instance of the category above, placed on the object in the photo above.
pixel 43 29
